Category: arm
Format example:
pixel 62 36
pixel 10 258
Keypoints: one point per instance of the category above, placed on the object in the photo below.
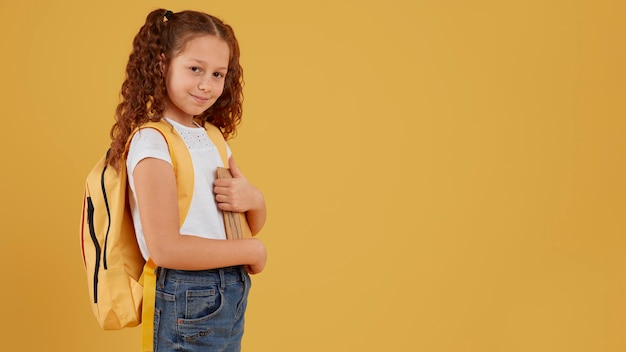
pixel 238 195
pixel 158 210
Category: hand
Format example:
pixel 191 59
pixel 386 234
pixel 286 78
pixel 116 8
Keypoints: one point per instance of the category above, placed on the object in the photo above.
pixel 259 265
pixel 236 194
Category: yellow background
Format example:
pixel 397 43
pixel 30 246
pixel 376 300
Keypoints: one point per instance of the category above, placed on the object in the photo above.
pixel 440 175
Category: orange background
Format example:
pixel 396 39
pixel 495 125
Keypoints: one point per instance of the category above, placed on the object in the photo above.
pixel 440 175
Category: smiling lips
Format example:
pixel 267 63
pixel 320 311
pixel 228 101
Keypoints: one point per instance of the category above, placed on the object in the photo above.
pixel 200 100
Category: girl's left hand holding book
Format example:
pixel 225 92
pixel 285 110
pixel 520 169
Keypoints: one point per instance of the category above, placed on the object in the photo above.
pixel 238 195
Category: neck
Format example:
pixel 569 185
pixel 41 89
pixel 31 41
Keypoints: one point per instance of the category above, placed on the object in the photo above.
pixel 185 122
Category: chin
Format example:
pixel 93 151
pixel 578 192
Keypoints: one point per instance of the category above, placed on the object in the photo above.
pixel 196 112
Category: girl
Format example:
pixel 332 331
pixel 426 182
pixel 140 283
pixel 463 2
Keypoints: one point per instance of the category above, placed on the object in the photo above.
pixel 184 68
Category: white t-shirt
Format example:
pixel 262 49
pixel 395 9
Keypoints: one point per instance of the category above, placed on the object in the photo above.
pixel 204 218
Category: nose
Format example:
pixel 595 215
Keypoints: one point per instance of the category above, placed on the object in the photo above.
pixel 204 85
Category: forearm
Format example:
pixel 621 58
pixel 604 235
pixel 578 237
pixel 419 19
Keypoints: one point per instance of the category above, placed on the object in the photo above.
pixel 256 220
pixel 256 217
pixel 185 252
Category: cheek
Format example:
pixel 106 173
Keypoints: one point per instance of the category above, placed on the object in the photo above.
pixel 220 89
pixel 178 80
pixel 170 83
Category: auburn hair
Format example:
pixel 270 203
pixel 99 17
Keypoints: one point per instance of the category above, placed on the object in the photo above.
pixel 143 93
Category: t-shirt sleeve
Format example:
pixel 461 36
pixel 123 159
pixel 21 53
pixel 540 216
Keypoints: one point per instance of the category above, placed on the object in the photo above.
pixel 146 143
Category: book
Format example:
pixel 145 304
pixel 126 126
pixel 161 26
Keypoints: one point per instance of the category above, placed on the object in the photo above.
pixel 235 223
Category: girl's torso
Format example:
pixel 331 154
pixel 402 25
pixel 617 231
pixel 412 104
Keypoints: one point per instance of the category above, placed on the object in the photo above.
pixel 204 218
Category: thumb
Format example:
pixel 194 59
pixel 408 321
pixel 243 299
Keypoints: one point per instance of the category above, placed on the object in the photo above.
pixel 234 170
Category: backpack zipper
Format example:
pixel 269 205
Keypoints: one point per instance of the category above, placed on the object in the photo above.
pixel 106 204
pixel 92 232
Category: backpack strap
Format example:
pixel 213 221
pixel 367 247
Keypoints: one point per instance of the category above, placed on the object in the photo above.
pixel 181 159
pixel 218 139
pixel 149 301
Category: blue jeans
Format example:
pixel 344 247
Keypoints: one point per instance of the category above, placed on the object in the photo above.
pixel 200 310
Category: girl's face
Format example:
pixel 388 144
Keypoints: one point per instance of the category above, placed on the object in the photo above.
pixel 195 78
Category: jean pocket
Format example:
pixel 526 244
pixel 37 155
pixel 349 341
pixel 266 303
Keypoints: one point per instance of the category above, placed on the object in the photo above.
pixel 201 304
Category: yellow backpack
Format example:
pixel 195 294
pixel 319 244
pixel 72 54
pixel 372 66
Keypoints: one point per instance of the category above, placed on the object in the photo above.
pixel 120 281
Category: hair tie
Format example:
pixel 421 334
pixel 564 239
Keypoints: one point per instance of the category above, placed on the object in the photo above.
pixel 167 15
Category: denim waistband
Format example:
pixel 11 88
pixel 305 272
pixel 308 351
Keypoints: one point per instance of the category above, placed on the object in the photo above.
pixel 221 275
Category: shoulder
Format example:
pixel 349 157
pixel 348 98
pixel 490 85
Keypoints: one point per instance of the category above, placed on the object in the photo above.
pixel 147 143
pixel 148 135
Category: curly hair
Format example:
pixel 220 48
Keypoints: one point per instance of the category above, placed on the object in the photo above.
pixel 143 93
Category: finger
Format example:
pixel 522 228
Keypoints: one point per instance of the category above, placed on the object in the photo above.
pixel 231 205
pixel 220 190
pixel 223 182
pixel 234 169
pixel 225 206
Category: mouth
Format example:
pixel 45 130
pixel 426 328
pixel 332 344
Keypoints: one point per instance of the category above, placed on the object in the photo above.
pixel 200 100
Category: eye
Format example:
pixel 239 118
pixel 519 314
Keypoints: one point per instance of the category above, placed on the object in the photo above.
pixel 195 69
pixel 218 75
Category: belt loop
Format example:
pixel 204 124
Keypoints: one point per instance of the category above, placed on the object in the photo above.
pixel 161 272
pixel 222 280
